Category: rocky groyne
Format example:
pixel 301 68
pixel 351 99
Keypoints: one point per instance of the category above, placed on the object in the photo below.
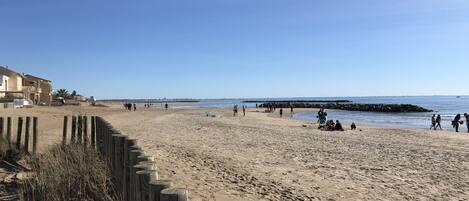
pixel 386 108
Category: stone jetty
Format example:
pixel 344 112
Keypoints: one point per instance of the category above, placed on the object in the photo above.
pixel 386 108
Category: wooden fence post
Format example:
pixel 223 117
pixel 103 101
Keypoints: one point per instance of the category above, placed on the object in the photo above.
pixel 156 186
pixel 1 127
pixel 19 132
pixel 35 134
pixel 93 132
pixel 74 129
pixel 26 134
pixel 1 132
pixel 64 135
pixel 85 130
pixel 173 194
pixel 80 129
pixel 9 131
pixel 127 169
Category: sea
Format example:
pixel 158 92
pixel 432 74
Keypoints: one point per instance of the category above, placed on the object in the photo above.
pixel 446 106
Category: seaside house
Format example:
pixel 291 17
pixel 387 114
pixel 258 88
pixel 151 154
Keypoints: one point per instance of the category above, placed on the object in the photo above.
pixel 17 85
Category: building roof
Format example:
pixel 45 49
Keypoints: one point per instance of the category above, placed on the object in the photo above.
pixel 3 68
pixel 32 76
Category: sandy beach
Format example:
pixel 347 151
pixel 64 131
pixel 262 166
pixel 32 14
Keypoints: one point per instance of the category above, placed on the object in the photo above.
pixel 264 157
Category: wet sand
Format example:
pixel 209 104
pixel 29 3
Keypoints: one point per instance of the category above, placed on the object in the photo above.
pixel 264 157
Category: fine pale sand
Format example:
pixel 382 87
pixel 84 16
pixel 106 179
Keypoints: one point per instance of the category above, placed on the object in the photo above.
pixel 264 157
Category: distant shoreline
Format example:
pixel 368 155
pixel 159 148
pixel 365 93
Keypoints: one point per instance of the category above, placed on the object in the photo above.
pixel 152 100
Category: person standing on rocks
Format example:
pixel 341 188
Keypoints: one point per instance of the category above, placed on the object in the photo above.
pixel 433 126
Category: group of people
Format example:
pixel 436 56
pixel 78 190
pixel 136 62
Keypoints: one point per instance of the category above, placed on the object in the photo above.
pixel 148 105
pixel 235 110
pixel 130 106
pixel 456 122
pixel 133 106
pixel 329 125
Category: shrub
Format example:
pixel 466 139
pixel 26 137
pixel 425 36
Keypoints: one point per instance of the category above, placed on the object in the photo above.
pixel 69 173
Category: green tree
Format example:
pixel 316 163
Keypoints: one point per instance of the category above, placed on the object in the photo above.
pixel 62 93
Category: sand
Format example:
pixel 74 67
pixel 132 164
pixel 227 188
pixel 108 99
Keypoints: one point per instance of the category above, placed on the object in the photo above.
pixel 264 157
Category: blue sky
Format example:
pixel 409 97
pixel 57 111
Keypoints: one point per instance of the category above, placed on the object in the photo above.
pixel 240 48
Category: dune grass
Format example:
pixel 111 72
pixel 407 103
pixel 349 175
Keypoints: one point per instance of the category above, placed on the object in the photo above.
pixel 69 173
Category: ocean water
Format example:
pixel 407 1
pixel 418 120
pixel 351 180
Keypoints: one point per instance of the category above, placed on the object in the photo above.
pixel 446 106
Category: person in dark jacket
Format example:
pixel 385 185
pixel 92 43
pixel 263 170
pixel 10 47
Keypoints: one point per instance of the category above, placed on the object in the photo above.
pixel 456 122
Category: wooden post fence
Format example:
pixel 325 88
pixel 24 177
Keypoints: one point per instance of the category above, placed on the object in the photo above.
pixel 134 174
pixel 21 144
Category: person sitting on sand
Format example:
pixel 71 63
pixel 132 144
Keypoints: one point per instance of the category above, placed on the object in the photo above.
pixel 467 121
pixel 438 122
pixel 353 126
pixel 330 125
pixel 456 122
pixel 433 126
pixel 338 126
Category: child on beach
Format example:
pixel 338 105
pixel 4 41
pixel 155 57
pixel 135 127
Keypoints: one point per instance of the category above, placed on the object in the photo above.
pixel 353 126
pixel 433 122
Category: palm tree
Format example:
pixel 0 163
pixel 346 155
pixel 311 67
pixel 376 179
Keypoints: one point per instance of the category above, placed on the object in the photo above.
pixel 62 93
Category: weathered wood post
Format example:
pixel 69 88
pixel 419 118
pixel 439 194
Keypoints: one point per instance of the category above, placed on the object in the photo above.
pixel 156 186
pixel 19 133
pixel 80 129
pixel 129 146
pixel 64 135
pixel 85 130
pixel 173 194
pixel 35 134
pixel 26 134
pixel 1 127
pixel 134 153
pixel 93 132
pixel 1 131
pixel 74 130
pixel 9 131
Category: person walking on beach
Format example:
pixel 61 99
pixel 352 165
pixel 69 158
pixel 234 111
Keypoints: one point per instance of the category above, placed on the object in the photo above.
pixel 456 122
pixel 244 110
pixel 166 106
pixel 467 121
pixel 235 110
pixel 438 122
pixel 281 112
pixel 433 126
pixel 135 107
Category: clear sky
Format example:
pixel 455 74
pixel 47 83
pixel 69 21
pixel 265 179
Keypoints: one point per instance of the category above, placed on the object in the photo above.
pixel 240 48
